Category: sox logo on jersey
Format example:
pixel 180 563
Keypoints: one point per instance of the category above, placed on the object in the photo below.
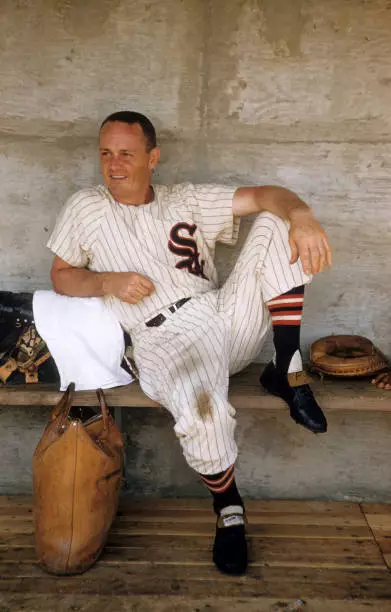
pixel 186 248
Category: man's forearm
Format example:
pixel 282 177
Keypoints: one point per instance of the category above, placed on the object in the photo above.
pixel 276 200
pixel 79 282
pixel 283 203
pixel 129 287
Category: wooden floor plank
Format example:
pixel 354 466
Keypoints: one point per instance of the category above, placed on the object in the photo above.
pixel 151 579
pixel 266 545
pixel 7 501
pixel 266 513
pixel 378 517
pixel 379 523
pixel 201 530
pixel 270 538
pixel 330 551
pixel 263 552
pixel 376 508
pixel 22 505
pixel 263 530
pixel 150 518
pixel 128 505
pixel 139 603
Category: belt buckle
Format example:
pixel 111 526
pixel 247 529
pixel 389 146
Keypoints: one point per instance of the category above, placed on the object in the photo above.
pixel 174 307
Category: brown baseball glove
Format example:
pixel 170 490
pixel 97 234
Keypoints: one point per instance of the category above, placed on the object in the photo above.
pixel 345 355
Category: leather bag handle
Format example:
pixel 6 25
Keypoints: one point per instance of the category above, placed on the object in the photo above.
pixel 64 406
pixel 103 407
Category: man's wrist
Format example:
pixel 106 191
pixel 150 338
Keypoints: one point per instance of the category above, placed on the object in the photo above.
pixel 105 282
pixel 301 212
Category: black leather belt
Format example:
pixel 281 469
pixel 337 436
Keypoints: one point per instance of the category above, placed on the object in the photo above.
pixel 160 318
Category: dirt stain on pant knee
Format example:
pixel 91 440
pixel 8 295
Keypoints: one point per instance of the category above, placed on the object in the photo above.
pixel 204 405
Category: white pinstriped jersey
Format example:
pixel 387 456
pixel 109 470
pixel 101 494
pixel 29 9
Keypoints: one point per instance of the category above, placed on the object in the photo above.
pixel 171 241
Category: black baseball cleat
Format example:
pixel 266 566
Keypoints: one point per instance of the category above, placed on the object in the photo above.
pixel 230 545
pixel 303 407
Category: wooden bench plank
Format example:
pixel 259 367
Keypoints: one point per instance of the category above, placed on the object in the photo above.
pixel 245 392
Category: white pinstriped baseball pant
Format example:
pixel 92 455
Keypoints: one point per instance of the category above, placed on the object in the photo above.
pixel 185 363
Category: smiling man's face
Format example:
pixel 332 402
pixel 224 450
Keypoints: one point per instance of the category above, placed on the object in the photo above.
pixel 126 163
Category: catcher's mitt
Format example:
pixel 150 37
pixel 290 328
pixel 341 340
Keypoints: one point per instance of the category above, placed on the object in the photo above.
pixel 345 355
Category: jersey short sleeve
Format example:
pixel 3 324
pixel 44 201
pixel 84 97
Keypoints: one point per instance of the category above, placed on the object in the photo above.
pixel 213 207
pixel 75 228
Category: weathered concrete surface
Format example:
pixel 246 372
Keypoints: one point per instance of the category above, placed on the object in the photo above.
pixel 299 71
pixel 254 91
pixel 36 180
pixel 349 188
pixel 277 458
pixel 243 92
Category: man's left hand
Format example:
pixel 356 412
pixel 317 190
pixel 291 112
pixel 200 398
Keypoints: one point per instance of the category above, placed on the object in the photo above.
pixel 308 241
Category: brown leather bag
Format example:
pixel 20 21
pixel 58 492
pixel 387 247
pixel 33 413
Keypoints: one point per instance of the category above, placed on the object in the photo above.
pixel 77 475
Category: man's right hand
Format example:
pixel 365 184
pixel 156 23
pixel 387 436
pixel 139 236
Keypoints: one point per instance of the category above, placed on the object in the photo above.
pixel 130 287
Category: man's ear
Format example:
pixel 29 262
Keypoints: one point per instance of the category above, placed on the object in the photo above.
pixel 154 156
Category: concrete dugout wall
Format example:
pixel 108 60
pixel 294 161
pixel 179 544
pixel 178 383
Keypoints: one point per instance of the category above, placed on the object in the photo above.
pixel 245 91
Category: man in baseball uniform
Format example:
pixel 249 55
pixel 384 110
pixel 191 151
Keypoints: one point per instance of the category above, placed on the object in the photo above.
pixel 148 251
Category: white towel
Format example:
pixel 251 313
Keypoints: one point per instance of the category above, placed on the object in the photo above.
pixel 84 338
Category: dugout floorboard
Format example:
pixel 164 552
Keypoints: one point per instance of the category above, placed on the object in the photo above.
pixel 304 555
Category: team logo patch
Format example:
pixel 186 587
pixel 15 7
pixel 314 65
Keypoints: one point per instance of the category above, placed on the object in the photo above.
pixel 186 248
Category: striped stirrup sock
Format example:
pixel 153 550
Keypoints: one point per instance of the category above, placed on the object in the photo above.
pixel 223 488
pixel 286 312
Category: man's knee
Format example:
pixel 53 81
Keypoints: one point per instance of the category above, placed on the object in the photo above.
pixel 272 222
pixel 207 440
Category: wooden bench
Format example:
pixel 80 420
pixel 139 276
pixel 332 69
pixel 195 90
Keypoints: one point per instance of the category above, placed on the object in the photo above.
pixel 244 393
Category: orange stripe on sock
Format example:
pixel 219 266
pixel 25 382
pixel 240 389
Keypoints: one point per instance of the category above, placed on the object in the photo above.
pixel 213 483
pixel 224 487
pixel 287 322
